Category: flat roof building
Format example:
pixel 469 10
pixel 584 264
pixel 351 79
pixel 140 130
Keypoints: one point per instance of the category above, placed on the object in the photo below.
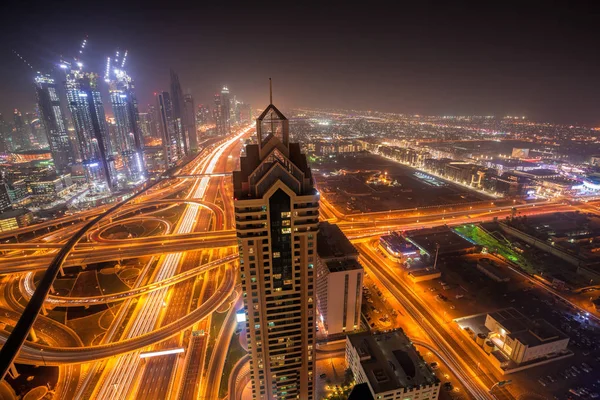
pixel 491 270
pixel 522 339
pixel 448 240
pixel 397 247
pixel 339 281
pixel 14 219
pixel 391 367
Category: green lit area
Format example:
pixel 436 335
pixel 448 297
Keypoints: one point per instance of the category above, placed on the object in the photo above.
pixel 481 237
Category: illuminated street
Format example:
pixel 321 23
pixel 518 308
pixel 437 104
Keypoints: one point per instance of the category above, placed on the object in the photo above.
pixel 246 201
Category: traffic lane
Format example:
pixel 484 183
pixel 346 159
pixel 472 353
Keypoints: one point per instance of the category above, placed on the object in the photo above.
pixel 435 330
pixel 158 371
pixel 30 352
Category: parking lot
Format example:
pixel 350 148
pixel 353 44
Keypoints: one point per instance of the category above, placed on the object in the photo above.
pixel 466 291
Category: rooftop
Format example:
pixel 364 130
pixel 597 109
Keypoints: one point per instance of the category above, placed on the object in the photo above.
pixel 529 332
pixel 449 241
pixel 539 173
pixel 347 264
pixel 390 361
pixel 360 392
pixel 397 245
pixel 13 213
pixel 332 243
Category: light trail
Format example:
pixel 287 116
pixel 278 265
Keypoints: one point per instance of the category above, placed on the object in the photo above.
pixel 467 376
pixel 119 380
pixel 67 301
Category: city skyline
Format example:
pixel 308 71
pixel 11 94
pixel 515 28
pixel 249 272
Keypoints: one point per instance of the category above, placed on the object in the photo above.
pixel 425 60
pixel 286 202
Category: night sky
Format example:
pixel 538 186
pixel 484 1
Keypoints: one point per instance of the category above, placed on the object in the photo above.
pixel 539 59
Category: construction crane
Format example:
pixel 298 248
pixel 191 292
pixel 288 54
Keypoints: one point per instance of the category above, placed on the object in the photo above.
pixel 23 59
pixel 113 66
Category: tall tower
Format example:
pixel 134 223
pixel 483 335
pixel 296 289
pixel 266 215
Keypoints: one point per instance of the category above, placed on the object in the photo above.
pixel 277 214
pixel 218 116
pixel 54 122
pixel 189 125
pixel 124 104
pixel 226 110
pixel 20 135
pixel 170 138
pixel 153 122
pixel 179 113
pixel 203 115
pixel 85 104
pixel 4 134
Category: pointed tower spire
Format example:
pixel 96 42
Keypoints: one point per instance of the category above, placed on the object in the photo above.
pixel 270 91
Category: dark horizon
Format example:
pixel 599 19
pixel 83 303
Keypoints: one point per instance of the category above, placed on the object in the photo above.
pixel 531 59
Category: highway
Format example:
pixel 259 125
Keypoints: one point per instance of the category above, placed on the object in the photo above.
pixel 161 373
pixel 214 371
pixel 98 254
pixel 118 380
pixel 13 344
pixel 41 249
pixel 191 273
pixel 27 287
pixel 31 353
pixel 463 360
pixel 178 242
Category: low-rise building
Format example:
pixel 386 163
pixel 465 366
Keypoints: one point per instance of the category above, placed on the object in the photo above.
pixel 466 173
pixel 424 274
pixel 391 367
pixel 491 270
pixel 524 340
pixel 398 248
pixel 51 187
pixel 13 219
pixel 339 281
pixel 510 184
pixel 5 200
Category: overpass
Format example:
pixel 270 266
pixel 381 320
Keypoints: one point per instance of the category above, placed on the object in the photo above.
pixel 27 287
pixel 210 175
pixel 37 354
pixel 14 342
pixel 92 254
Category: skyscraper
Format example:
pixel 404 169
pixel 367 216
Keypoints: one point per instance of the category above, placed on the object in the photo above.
pixel 85 104
pixel 153 122
pixel 245 113
pixel 277 211
pixel 218 116
pixel 54 122
pixel 203 115
pixel 34 129
pixel 130 144
pixel 189 126
pixel 20 136
pixel 179 113
pixel 170 139
pixel 226 110
pixel 4 135
pixel 145 124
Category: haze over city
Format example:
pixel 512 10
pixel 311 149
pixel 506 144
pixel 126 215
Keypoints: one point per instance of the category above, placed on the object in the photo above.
pixel 434 58
pixel 300 201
